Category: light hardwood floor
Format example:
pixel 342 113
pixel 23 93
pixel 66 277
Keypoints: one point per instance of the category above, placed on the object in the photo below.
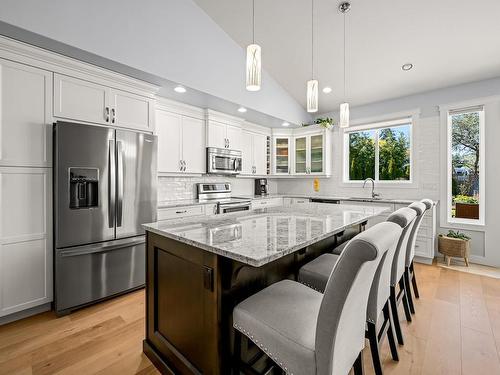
pixel 456 331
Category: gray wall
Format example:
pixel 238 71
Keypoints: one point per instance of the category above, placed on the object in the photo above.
pixel 429 156
pixel 171 39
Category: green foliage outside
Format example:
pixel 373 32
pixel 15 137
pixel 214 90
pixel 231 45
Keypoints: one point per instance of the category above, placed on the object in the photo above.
pixel 465 199
pixel 394 154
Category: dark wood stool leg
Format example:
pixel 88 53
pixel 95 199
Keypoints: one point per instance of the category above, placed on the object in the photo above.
pixel 390 332
pixel 237 352
pixel 406 275
pixel 414 281
pixel 371 334
pixel 405 300
pixel 358 365
pixel 394 312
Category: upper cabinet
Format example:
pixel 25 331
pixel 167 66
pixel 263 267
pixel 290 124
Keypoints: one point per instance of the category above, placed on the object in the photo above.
pixel 81 100
pixel 302 152
pixel 181 139
pixel 223 131
pixel 25 115
pixel 253 153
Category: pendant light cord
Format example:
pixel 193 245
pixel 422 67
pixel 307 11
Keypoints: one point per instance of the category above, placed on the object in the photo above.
pixel 312 39
pixel 253 21
pixel 345 91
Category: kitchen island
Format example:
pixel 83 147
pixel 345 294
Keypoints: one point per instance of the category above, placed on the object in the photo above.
pixel 198 269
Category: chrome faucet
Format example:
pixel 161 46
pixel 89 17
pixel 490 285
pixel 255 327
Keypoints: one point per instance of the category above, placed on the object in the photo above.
pixel 374 195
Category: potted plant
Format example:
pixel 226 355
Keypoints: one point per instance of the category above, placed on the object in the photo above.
pixel 326 122
pixel 454 244
pixel 466 207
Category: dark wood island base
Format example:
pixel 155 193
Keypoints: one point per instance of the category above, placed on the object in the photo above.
pixel 190 296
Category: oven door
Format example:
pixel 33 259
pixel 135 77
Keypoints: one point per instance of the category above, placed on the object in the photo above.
pixel 223 161
pixel 233 207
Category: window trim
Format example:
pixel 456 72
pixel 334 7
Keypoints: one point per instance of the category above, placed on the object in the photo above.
pixel 449 112
pixel 399 120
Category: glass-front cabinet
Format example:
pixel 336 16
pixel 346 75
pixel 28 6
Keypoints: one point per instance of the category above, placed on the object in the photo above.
pixel 282 155
pixel 316 153
pixel 301 155
pixel 309 154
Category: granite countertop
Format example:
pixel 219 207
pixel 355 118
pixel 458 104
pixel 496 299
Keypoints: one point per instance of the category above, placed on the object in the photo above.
pixel 181 203
pixel 261 236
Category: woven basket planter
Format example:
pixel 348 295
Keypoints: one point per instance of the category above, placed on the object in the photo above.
pixel 454 247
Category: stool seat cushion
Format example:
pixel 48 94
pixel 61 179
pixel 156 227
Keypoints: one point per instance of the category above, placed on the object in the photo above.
pixel 281 319
pixel 338 250
pixel 315 274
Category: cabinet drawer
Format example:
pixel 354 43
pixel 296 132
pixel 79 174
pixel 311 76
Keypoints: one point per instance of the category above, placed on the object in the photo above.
pixel 170 213
pixel 300 200
pixel 261 203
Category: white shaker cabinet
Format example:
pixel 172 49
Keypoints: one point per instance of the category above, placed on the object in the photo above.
pixel 80 100
pixel 25 238
pixel 253 153
pixel 221 135
pixel 25 115
pixel 181 143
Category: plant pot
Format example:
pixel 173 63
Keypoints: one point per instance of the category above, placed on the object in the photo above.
pixel 454 247
pixel 467 210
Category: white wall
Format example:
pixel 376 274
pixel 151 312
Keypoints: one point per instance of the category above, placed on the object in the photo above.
pixel 428 143
pixel 171 39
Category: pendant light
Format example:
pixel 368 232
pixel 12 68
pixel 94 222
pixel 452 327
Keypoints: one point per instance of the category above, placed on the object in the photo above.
pixel 254 60
pixel 312 84
pixel 344 107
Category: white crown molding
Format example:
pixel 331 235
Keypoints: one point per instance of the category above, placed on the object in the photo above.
pixel 170 105
pixel 14 50
pixel 255 128
pixel 224 118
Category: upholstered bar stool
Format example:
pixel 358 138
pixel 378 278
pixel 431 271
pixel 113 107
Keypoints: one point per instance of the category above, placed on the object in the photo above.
pixel 378 317
pixel 405 218
pixel 420 208
pixel 306 332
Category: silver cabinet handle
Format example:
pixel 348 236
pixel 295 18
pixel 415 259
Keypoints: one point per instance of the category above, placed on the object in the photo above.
pixel 184 165
pixel 106 114
pixel 113 115
pixel 181 212
pixel 180 165
pixel 119 181
pixel 112 179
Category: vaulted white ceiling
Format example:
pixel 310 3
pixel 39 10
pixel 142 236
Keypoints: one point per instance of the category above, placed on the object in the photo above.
pixel 448 41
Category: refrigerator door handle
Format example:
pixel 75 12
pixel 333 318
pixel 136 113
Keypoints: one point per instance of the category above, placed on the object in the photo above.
pixel 92 249
pixel 119 181
pixel 111 183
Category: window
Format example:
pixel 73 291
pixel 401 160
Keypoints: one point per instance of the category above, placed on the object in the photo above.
pixel 465 165
pixel 381 151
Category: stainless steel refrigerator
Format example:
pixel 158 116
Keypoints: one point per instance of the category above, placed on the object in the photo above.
pixel 104 189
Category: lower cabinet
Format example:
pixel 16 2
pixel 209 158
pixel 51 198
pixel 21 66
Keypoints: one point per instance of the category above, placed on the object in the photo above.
pixel 186 211
pixel 25 238
pixel 266 203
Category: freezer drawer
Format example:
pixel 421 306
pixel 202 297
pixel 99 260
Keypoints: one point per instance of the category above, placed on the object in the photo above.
pixel 86 274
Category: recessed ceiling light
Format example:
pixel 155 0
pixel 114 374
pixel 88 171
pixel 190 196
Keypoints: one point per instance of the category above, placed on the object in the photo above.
pixel 327 90
pixel 407 66
pixel 285 124
pixel 180 89
pixel 242 109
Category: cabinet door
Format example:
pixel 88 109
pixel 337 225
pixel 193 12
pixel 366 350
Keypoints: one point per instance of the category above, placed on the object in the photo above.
pixel 282 155
pixel 247 153
pixel 216 136
pixel 301 164
pixel 193 144
pixel 25 115
pixel 316 154
pixel 80 100
pixel 260 153
pixel 25 238
pixel 168 129
pixel 131 111
pixel 233 134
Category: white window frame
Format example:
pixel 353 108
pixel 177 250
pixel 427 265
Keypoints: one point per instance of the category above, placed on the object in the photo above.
pixel 376 125
pixel 482 209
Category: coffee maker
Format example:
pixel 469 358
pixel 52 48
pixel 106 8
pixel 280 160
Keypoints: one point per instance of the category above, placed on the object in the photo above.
pixel 261 187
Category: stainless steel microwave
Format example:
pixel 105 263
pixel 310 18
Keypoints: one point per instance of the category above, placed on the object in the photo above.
pixel 223 161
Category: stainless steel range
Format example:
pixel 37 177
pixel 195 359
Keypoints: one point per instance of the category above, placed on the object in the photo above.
pixel 221 193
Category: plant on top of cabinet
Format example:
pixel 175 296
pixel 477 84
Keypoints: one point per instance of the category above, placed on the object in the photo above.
pixel 326 123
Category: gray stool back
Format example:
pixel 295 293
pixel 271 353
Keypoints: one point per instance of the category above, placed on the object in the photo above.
pixel 404 217
pixel 420 209
pixel 340 330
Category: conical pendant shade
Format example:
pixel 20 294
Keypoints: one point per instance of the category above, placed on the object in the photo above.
pixel 254 67
pixel 312 96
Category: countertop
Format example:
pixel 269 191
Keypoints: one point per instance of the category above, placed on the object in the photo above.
pixel 193 202
pixel 261 236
